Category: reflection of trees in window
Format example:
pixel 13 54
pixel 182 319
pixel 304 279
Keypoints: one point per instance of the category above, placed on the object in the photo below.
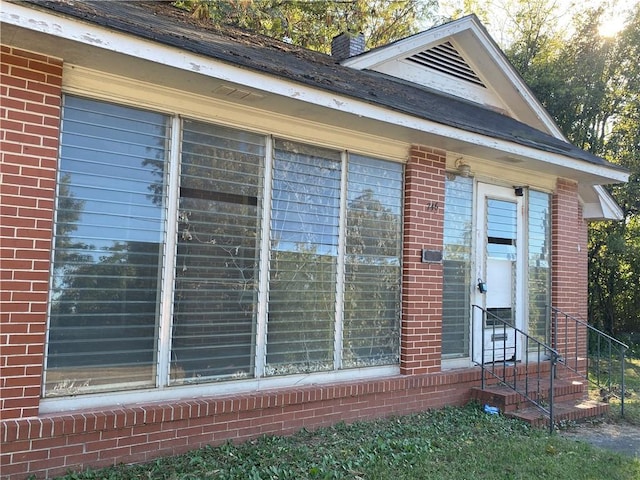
pixel 304 245
pixel 458 211
pixel 539 283
pixel 372 265
pixel 303 276
pixel 217 253
pixel 106 250
pixel 110 244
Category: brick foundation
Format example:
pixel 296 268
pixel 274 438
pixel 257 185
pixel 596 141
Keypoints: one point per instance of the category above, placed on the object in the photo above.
pixel 51 444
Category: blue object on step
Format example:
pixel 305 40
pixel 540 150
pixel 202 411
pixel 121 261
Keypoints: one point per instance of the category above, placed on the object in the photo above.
pixel 491 410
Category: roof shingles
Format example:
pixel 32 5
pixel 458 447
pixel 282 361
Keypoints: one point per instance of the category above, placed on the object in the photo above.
pixel 163 23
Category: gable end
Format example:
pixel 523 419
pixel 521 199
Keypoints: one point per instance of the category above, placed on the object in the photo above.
pixel 444 58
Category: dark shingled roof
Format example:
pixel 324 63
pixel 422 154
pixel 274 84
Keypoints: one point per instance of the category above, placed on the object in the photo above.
pixel 163 23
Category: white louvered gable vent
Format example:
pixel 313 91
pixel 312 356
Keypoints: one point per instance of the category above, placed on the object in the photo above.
pixel 445 58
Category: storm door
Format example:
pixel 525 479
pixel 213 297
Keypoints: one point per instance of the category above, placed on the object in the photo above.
pixel 500 274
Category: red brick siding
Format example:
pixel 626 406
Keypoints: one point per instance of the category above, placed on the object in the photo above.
pixel 50 445
pixel 420 347
pixel 30 92
pixel 570 263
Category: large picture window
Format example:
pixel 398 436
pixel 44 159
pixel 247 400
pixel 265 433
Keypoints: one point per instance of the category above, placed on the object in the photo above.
pixel 188 253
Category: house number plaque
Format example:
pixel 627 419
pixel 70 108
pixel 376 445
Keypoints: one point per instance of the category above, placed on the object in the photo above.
pixel 431 256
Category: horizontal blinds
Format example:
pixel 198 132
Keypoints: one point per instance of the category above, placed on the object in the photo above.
pixel 217 253
pixel 304 247
pixel 107 248
pixel 372 265
pixel 539 224
pixel 458 217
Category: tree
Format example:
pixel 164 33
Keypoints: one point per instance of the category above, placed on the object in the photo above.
pixel 614 248
pixel 313 24
pixel 590 84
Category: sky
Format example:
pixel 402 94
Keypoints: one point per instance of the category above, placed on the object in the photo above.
pixel 613 23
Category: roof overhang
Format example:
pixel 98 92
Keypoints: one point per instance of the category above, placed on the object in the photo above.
pixel 85 44
pixel 598 204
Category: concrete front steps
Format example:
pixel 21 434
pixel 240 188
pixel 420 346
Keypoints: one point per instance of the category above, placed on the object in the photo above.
pixel 570 402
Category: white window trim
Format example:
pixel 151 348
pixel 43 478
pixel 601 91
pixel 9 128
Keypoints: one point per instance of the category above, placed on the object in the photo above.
pixel 169 256
pixel 265 261
pixel 209 390
pixel 340 268
pixel 163 391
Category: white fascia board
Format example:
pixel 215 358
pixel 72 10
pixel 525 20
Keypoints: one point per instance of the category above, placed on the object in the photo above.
pixel 598 204
pixel 97 36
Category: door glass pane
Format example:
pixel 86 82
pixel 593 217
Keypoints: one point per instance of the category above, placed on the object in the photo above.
pixel 458 217
pixel 217 253
pixel 304 248
pixel 107 249
pixel 501 229
pixel 371 331
pixel 539 223
pixel 501 260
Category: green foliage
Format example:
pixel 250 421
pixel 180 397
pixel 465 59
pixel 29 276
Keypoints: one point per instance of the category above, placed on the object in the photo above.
pixel 591 87
pixel 631 381
pixel 614 248
pixel 443 444
pixel 312 25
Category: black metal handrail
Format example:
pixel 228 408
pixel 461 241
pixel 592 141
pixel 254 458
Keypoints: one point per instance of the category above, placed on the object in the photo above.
pixel 532 386
pixel 598 348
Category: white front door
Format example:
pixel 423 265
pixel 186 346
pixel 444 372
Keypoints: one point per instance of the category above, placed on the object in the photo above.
pixel 500 273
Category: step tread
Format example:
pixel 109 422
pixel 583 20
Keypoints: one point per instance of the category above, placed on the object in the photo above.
pixel 507 399
pixel 562 411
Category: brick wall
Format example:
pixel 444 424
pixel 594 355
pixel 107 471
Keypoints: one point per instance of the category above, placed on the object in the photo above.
pixel 30 89
pixel 421 347
pixel 50 445
pixel 569 249
pixel 569 261
pixel 47 445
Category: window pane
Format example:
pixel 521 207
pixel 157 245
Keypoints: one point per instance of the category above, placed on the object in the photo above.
pixel 501 229
pixel 217 254
pixel 458 215
pixel 539 265
pixel 107 249
pixel 304 246
pixel 371 331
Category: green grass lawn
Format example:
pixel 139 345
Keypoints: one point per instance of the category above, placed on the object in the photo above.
pixel 451 444
pixel 632 388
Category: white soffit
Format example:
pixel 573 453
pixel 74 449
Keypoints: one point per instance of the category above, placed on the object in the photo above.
pixel 598 204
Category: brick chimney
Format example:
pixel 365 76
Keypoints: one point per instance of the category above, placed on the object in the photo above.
pixel 347 45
